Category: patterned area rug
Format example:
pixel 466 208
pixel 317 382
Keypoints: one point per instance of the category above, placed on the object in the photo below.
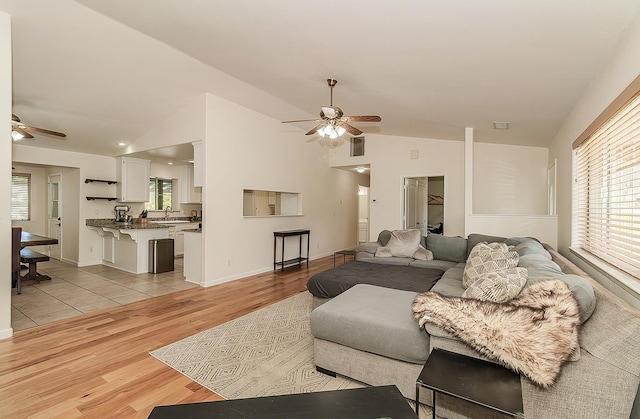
pixel 265 353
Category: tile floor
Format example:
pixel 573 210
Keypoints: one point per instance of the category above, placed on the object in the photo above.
pixel 74 291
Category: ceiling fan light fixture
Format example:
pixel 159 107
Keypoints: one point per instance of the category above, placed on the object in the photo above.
pixel 340 130
pixel 16 136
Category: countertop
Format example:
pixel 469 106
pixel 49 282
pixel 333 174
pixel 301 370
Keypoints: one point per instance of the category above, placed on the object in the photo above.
pixel 111 223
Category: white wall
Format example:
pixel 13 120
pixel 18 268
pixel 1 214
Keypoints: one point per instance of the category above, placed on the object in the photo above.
pixel 247 150
pixel 509 179
pixel 622 68
pixel 390 161
pixel 5 173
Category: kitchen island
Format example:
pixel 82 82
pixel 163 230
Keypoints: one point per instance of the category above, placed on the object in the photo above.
pixel 126 245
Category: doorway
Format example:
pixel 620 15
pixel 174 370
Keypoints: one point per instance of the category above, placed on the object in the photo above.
pixel 55 215
pixel 363 214
pixel 423 204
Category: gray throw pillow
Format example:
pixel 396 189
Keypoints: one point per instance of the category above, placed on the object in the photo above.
pixel 384 237
pixel 452 249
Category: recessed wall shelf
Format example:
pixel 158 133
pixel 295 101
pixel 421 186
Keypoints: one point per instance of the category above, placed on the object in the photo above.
pixel 108 198
pixel 110 182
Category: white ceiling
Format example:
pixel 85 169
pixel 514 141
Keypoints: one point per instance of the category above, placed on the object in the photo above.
pixel 109 71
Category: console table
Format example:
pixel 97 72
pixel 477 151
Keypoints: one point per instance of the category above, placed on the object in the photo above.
pixel 283 235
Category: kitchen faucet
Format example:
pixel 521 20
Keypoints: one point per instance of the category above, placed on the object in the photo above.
pixel 166 213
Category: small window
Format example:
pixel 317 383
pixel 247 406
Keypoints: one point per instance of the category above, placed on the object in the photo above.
pixel 20 196
pixel 160 191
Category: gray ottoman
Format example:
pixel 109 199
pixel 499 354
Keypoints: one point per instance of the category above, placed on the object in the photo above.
pixel 373 319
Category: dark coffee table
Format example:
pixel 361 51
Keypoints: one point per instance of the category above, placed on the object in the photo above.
pixel 344 253
pixel 367 402
pixel 472 379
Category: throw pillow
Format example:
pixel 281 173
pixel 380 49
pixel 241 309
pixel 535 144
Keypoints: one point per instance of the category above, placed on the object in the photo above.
pixel 384 237
pixel 486 258
pixel 404 243
pixel 498 286
pixel 423 254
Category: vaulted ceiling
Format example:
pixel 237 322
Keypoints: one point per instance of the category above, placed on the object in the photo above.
pixel 109 71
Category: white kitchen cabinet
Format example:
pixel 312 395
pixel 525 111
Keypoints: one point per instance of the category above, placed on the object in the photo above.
pixel 133 179
pixel 193 257
pixel 198 159
pixel 189 194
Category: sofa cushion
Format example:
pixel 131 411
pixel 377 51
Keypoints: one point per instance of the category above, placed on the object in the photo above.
pixel 373 319
pixel 452 249
pixel 532 247
pixel 498 286
pixel 488 257
pixel 443 265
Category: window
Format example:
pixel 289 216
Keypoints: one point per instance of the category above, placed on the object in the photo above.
pixel 20 196
pixel 607 189
pixel 159 194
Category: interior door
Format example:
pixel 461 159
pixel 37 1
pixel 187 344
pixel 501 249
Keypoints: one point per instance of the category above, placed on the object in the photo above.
pixel 55 215
pixel 421 206
pixel 410 200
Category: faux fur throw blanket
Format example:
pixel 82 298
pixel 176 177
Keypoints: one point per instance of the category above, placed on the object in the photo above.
pixel 534 333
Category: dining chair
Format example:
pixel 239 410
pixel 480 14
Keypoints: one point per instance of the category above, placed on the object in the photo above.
pixel 16 234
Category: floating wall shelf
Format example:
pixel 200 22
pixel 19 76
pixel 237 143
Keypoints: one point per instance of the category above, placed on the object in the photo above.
pixel 110 182
pixel 108 198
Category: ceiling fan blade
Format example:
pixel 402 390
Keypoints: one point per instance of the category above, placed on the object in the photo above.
pixel 369 118
pixel 315 129
pixel 350 128
pixel 301 120
pixel 44 131
pixel 330 112
pixel 22 132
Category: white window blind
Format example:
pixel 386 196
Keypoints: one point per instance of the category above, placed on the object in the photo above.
pixel 607 191
pixel 20 196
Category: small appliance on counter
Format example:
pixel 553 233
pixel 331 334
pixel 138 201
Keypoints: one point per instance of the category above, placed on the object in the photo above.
pixel 121 213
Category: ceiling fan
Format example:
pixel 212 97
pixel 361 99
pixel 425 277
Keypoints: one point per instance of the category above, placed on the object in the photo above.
pixel 333 123
pixel 20 130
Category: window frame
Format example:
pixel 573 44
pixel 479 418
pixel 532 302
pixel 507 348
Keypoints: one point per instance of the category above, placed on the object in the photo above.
pixel 596 144
pixel 28 195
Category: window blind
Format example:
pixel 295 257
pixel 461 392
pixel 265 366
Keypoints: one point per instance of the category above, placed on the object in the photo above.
pixel 607 190
pixel 20 196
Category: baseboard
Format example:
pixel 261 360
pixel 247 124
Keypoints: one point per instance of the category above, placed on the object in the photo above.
pixel 6 333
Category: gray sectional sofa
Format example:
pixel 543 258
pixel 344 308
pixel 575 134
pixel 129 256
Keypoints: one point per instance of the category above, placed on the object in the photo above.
pixel 369 333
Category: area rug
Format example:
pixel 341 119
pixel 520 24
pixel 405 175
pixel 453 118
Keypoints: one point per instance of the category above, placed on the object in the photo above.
pixel 265 353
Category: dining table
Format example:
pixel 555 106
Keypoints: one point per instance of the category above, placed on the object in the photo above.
pixel 29 239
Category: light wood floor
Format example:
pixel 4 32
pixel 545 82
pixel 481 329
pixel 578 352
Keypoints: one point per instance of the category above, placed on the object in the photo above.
pixel 98 365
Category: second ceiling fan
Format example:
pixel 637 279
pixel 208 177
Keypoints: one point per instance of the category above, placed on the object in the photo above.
pixel 333 123
pixel 19 130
